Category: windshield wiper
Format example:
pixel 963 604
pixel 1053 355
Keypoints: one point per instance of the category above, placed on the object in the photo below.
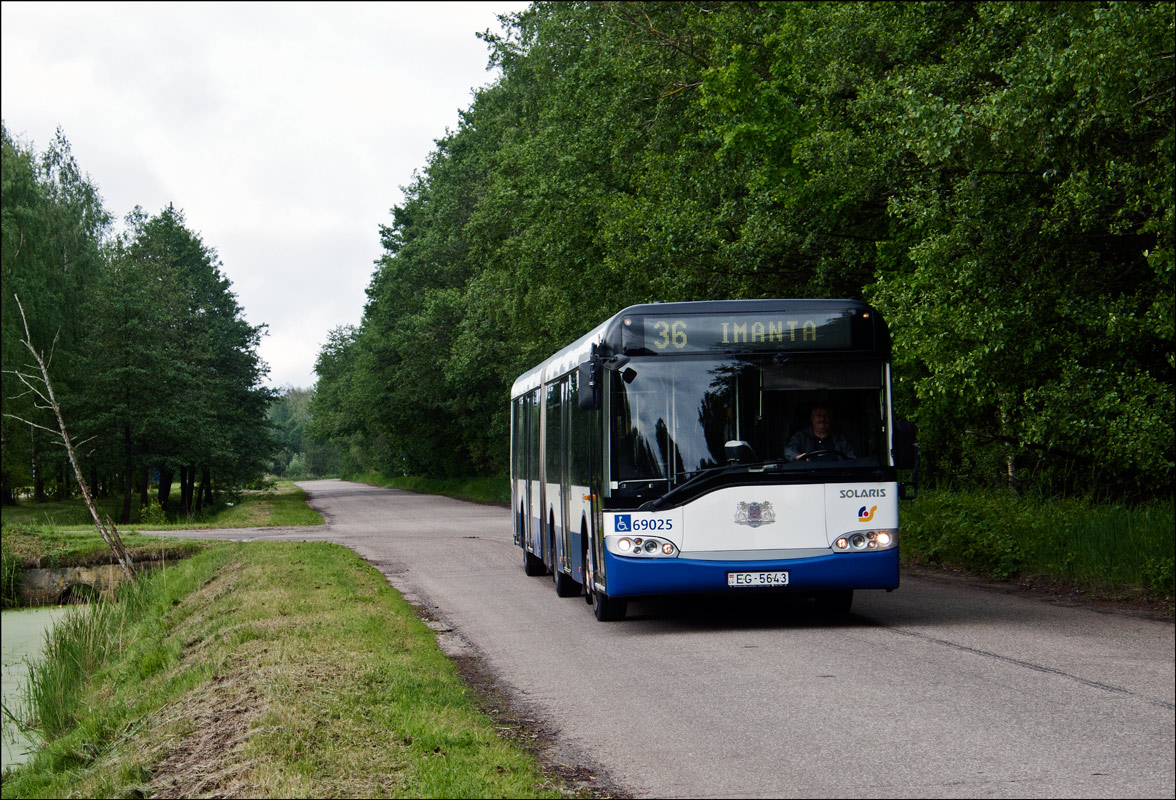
pixel 707 472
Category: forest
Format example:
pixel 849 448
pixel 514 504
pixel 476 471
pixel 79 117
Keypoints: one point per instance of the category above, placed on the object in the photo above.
pixel 150 357
pixel 996 178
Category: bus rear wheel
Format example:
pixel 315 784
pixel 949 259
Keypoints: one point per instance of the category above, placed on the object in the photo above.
pixel 608 609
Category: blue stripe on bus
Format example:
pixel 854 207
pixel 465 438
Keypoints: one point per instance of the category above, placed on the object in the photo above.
pixel 632 577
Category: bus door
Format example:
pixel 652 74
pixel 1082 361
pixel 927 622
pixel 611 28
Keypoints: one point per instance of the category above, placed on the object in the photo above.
pixel 553 484
pixel 580 457
pixel 534 485
pixel 563 555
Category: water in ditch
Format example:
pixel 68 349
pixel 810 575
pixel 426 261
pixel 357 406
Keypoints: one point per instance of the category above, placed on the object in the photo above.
pixel 22 638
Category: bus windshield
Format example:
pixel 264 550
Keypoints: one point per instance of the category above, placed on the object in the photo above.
pixel 677 417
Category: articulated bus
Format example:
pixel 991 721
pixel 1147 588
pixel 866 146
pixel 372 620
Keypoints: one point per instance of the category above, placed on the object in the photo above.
pixel 713 447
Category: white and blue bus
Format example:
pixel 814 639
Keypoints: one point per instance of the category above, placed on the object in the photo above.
pixel 710 447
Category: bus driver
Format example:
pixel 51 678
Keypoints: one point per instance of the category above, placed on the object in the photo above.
pixel 818 440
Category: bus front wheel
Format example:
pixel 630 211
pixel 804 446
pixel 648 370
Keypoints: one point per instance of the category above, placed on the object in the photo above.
pixel 608 609
pixel 835 602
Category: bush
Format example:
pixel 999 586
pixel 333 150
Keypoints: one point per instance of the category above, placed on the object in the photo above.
pixel 1000 535
pixel 152 513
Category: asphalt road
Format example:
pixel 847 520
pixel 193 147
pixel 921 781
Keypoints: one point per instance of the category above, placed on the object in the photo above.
pixel 939 689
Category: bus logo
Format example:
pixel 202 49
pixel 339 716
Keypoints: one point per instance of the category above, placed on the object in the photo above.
pixel 866 516
pixel 624 523
pixel 754 514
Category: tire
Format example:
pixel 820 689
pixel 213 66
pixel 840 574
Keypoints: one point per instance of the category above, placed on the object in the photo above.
pixel 609 609
pixel 835 602
pixel 533 566
pixel 565 586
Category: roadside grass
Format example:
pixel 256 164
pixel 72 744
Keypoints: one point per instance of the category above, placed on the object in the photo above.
pixel 58 513
pixel 1113 551
pixel 481 490
pixel 45 546
pixel 263 669
pixel 36 546
pixel 285 504
pixel 45 535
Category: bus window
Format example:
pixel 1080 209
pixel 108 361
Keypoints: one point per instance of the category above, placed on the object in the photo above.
pixel 677 416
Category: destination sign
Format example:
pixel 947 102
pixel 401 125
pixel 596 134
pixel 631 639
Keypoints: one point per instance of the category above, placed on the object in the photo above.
pixel 708 333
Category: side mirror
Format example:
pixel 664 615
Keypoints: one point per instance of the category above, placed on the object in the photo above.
pixel 906 456
pixel 588 380
pixel 906 451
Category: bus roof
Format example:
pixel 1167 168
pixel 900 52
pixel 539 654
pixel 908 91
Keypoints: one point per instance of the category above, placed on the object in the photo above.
pixel 869 331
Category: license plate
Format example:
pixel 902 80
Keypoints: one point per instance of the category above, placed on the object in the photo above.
pixel 742 579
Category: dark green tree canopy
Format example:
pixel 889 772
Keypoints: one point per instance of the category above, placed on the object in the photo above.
pixel 154 362
pixel 995 177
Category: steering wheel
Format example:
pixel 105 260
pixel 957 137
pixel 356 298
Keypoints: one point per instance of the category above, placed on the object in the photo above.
pixel 818 454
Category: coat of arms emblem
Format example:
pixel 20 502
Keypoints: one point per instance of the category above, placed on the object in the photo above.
pixel 754 514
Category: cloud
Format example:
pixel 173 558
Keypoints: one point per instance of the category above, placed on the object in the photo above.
pixel 284 131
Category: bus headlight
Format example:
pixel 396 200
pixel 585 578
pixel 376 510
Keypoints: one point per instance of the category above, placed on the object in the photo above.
pixel 643 546
pixel 865 541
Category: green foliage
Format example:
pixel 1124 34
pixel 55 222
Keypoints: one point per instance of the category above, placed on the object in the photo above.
pixel 152 513
pixel 53 228
pixel 1108 548
pixel 152 360
pixel 297 455
pixel 995 177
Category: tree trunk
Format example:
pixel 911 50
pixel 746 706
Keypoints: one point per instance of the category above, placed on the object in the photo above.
pixel 128 486
pixel 205 492
pixel 63 491
pixel 187 480
pixel 166 474
pixel 38 470
pixel 144 486
pixel 1010 449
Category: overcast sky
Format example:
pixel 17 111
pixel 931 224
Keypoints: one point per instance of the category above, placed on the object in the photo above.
pixel 283 131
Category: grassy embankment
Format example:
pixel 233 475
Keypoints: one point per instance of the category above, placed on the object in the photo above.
pixel 1103 549
pixel 263 669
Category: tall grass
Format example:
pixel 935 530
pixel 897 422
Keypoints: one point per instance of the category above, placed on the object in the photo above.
pixel 77 646
pixel 10 576
pixel 1103 547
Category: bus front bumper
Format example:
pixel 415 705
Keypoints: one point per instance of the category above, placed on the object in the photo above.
pixel 634 577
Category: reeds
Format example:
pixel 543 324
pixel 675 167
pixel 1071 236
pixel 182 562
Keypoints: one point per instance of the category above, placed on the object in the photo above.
pixel 80 644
